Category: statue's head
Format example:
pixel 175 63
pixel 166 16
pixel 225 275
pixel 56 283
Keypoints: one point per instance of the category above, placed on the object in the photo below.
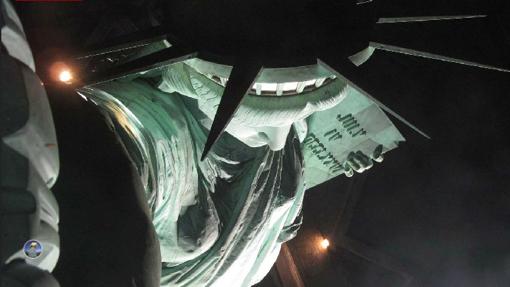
pixel 272 54
pixel 277 98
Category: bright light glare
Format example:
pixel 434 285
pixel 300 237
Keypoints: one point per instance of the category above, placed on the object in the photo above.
pixel 65 76
pixel 324 244
pixel 269 87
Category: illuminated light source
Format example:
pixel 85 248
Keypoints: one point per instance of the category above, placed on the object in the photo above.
pixel 65 76
pixel 324 243
pixel 61 72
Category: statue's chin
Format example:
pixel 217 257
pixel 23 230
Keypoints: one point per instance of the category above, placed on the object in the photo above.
pixel 273 137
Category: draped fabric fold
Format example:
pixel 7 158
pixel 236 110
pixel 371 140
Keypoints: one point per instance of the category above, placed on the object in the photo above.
pixel 220 222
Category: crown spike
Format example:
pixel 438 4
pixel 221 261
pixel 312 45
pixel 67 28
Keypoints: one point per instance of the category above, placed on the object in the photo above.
pixel 241 79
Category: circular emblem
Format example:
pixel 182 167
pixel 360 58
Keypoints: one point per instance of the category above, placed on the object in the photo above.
pixel 32 248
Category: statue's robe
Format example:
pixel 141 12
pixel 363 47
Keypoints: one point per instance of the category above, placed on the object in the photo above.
pixel 220 222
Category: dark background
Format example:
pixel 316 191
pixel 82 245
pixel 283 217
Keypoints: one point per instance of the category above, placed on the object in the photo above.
pixel 438 209
pixel 434 213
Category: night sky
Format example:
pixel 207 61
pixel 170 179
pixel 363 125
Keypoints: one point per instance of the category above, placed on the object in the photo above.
pixel 439 208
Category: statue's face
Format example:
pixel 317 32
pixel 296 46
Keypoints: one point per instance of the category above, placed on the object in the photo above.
pixel 278 98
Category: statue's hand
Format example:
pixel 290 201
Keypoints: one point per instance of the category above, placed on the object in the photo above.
pixel 359 162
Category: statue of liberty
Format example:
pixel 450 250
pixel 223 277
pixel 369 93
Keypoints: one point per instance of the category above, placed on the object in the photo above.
pixel 220 221
pixel 227 125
